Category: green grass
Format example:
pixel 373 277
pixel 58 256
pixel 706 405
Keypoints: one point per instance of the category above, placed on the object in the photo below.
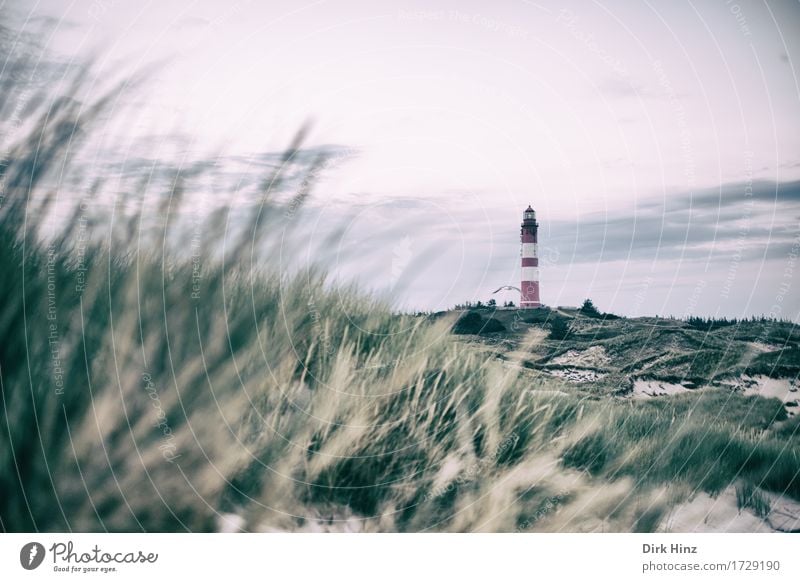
pixel 473 323
pixel 779 363
pixel 146 390
pixel 706 440
pixel 592 453
pixel 748 497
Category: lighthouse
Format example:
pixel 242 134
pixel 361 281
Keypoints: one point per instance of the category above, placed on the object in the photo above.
pixel 529 287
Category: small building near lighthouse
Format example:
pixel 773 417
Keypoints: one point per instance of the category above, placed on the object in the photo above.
pixel 529 286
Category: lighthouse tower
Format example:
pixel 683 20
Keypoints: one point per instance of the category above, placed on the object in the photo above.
pixel 530 261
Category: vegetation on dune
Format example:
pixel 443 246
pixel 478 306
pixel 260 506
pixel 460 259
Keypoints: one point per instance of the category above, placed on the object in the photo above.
pixel 706 440
pixel 472 322
pixel 779 363
pixel 748 497
pixel 559 329
pixel 588 308
pixel 709 323
pixel 146 390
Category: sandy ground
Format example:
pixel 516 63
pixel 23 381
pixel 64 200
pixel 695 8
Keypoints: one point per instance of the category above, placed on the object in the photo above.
pixel 594 357
pixel 651 388
pixel 783 389
pixel 314 523
pixel 704 513
pixel 577 375
pixel 784 513
pixel 764 347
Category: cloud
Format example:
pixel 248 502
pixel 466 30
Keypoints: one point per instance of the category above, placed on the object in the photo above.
pixel 713 224
pixel 732 195
pixel 52 22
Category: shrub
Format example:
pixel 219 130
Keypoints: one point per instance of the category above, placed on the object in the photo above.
pixel 589 309
pixel 473 323
pixel 559 329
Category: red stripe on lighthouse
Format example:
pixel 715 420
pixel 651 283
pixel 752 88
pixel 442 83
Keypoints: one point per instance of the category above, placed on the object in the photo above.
pixel 529 285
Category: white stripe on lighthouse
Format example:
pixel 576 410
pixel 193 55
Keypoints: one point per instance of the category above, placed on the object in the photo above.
pixel 529 251
pixel 530 273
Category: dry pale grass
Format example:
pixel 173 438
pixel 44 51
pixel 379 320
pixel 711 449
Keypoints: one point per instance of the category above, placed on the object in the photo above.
pixel 146 390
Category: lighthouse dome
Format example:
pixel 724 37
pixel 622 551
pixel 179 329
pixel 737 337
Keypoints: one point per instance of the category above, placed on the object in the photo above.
pixel 529 214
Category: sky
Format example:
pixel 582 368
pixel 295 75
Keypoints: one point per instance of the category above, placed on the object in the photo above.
pixel 659 142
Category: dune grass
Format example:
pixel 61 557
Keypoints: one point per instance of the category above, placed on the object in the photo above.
pixel 148 390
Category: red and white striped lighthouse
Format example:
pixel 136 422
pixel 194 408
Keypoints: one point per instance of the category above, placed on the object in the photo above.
pixel 530 261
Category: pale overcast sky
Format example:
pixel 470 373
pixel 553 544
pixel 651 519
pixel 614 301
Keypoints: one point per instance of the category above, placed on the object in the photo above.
pixel 636 130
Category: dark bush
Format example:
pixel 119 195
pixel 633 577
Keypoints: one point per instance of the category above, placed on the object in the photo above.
pixel 559 329
pixel 589 309
pixel 472 323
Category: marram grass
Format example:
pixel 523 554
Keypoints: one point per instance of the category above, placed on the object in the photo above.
pixel 144 389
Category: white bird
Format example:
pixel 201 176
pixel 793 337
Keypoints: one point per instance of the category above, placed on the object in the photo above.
pixel 507 287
